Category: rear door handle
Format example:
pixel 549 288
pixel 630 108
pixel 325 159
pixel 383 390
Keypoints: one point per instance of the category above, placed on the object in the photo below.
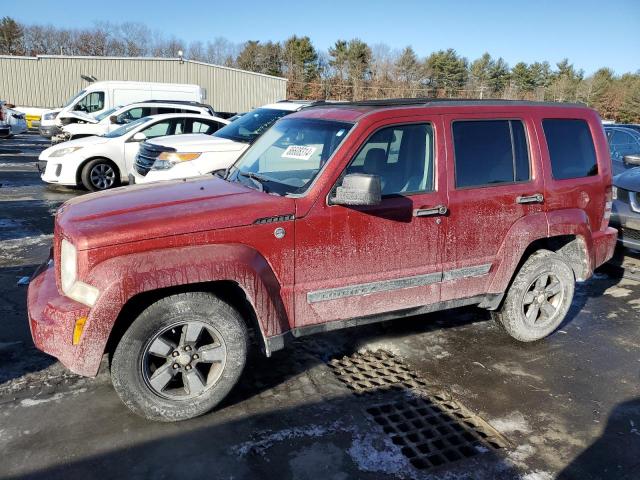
pixel 535 198
pixel 430 212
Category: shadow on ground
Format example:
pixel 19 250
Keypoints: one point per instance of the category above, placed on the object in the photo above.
pixel 616 453
pixel 315 440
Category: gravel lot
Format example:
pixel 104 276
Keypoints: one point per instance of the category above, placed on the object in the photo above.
pixel 565 407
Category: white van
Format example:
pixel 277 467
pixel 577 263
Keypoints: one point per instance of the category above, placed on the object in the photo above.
pixel 101 96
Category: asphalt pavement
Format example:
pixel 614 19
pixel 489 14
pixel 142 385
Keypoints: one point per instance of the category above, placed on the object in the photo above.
pixel 445 395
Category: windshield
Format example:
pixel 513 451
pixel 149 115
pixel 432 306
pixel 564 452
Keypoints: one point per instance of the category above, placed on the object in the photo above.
pixel 251 125
pixel 289 155
pixel 73 99
pixel 105 114
pixel 118 132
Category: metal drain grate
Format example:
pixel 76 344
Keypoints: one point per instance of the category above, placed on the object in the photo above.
pixel 434 430
pixel 430 427
pixel 371 372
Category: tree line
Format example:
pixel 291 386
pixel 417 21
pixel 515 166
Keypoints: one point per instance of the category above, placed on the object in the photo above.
pixel 349 69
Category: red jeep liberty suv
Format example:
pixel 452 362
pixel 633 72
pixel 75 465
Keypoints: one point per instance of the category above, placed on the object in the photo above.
pixel 339 215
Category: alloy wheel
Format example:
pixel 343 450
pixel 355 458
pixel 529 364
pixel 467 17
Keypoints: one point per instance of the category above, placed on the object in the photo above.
pixel 543 300
pixel 102 176
pixel 184 360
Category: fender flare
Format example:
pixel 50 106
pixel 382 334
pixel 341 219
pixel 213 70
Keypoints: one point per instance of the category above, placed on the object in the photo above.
pixel 121 278
pixel 519 238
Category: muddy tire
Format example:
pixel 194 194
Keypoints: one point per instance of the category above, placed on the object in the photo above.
pixel 180 357
pixel 99 174
pixel 538 299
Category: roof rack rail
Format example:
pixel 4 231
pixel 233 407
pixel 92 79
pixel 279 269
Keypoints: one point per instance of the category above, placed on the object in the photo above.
pixel 427 101
pixel 178 102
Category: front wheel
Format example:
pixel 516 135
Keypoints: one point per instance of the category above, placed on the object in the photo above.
pixel 539 297
pixel 180 357
pixel 99 174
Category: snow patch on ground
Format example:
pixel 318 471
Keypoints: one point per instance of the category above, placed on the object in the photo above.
pixel 376 453
pixel 537 475
pixel 520 455
pixel 617 292
pixel 9 247
pixel 264 440
pixel 512 368
pixel 373 346
pixel 635 304
pixel 515 422
pixel 30 402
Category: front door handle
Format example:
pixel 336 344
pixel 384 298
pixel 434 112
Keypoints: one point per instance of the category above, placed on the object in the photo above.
pixel 431 211
pixel 535 198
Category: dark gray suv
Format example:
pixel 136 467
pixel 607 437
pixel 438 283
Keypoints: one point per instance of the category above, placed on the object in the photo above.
pixel 625 215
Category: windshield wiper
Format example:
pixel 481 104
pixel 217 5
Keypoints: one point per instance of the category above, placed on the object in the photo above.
pixel 258 180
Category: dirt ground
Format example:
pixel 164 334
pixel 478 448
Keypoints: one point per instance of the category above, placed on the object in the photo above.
pixel 446 395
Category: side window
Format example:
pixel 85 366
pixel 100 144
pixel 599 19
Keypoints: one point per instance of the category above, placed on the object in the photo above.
pixel 490 152
pixel 161 110
pixel 204 126
pixel 92 102
pixel 158 129
pixel 178 126
pixel 132 114
pixel 570 148
pixel 401 155
pixel 621 138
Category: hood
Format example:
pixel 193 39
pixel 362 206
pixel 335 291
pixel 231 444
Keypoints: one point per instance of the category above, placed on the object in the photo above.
pixel 79 142
pixel 198 142
pixel 85 117
pixel 629 180
pixel 143 212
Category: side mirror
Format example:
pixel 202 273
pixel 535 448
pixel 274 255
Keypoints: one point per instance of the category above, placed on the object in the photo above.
pixel 113 119
pixel 632 159
pixel 359 189
pixel 138 137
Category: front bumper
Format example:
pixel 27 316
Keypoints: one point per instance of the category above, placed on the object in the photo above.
pixel 49 131
pixel 52 319
pixel 627 221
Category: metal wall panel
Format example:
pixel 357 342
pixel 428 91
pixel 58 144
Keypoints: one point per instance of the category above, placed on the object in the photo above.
pixel 50 80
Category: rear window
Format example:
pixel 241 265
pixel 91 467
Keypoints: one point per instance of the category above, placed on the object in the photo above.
pixel 571 148
pixel 490 152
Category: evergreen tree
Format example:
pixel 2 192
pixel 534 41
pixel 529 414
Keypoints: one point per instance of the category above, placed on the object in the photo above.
pixel 11 37
pixel 498 76
pixel 407 66
pixel 446 70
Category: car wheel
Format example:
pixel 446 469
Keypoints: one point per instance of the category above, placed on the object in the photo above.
pixel 539 297
pixel 180 357
pixel 100 174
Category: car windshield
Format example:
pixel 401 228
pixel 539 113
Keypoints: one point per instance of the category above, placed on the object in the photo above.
pixel 104 115
pixel 118 132
pixel 73 99
pixel 287 158
pixel 251 125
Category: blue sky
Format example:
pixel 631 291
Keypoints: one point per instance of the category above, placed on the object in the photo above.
pixel 591 33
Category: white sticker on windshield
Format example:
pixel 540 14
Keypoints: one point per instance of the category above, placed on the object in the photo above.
pixel 340 132
pixel 298 152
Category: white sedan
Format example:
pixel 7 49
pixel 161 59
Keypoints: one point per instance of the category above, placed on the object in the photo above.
pixel 102 162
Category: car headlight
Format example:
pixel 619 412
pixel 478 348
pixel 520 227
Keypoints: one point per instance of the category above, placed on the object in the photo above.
pixel 50 116
pixel 614 192
pixel 167 160
pixel 71 287
pixel 64 151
